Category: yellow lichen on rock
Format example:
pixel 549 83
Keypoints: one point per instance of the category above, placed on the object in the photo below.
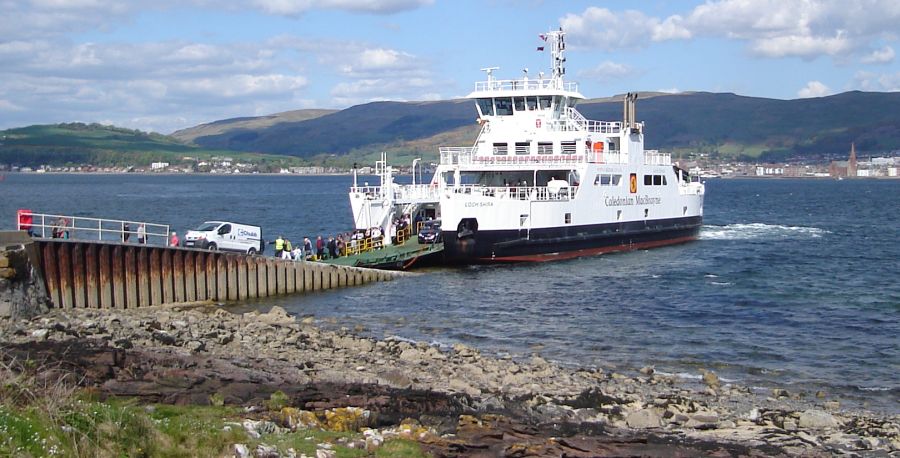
pixel 344 419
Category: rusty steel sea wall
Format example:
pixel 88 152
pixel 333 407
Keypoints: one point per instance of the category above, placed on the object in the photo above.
pixel 109 275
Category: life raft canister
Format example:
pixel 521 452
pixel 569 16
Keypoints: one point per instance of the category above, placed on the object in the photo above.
pixel 537 123
pixel 597 148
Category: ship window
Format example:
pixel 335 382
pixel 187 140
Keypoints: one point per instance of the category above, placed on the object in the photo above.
pixel 500 149
pixel 504 106
pixel 615 180
pixel 486 106
pixel 648 180
pixel 544 102
pixel 664 180
pixel 657 180
pixel 606 179
pixel 519 102
pixel 531 102
pixel 545 148
pixel 596 180
pixel 568 218
pixel 568 147
pixel 523 148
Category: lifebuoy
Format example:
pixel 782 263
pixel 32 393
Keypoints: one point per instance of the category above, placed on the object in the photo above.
pixel 633 182
pixel 598 151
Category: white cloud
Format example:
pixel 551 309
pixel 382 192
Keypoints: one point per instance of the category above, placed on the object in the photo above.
pixel 604 29
pixel 880 56
pixel 608 71
pixel 771 28
pixel 883 82
pixel 813 89
pixel 295 7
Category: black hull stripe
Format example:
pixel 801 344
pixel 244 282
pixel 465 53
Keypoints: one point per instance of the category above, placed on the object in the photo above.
pixel 567 242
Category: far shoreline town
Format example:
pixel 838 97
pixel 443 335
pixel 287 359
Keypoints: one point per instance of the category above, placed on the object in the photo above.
pixel 703 166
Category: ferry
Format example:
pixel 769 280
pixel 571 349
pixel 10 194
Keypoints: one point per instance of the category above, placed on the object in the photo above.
pixel 542 182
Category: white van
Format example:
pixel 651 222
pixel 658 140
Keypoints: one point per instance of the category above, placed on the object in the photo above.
pixel 226 236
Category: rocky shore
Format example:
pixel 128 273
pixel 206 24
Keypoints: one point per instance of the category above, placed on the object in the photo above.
pixel 464 403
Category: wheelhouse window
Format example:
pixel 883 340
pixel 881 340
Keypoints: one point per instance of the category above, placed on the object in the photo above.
pixel 519 103
pixel 568 147
pixel 544 102
pixel 654 180
pixel 486 107
pixel 531 102
pixel 606 179
pixel 545 148
pixel 523 148
pixel 500 149
pixel 504 106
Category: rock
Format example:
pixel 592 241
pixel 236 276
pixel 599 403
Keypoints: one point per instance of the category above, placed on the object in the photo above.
pixel 266 451
pixel 395 378
pixel 648 370
pixel 832 405
pixel 705 420
pixel 325 453
pixel 817 419
pixel 411 355
pixel 164 338
pixel 820 394
pixel 780 393
pixel 40 334
pixel 645 418
pixel 276 315
pixel 241 451
pixel 789 425
pixel 195 346
pixel 711 380
pixel 374 439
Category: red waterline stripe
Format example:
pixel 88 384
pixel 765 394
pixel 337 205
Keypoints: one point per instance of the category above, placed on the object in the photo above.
pixel 589 251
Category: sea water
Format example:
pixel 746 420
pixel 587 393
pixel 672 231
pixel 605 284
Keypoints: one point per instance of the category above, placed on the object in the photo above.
pixel 792 283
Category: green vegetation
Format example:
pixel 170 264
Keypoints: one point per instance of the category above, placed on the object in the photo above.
pixel 42 414
pixel 99 145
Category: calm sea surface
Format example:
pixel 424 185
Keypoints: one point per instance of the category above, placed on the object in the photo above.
pixel 793 283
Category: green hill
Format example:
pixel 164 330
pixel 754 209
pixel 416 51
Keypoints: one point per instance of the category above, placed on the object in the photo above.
pixel 95 144
pixel 259 122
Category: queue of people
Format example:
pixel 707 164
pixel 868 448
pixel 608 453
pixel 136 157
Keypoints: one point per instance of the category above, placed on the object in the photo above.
pixel 331 247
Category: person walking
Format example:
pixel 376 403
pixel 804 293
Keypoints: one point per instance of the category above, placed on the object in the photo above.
pixel 173 240
pixel 142 234
pixel 320 248
pixel 286 250
pixel 332 248
pixel 307 248
pixel 279 246
pixel 126 232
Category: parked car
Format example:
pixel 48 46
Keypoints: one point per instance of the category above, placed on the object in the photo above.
pixel 431 232
pixel 226 236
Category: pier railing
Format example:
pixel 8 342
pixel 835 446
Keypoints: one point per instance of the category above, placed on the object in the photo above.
pixel 48 225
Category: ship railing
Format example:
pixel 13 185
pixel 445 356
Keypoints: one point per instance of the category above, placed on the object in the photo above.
pixel 470 156
pixel 607 157
pixel 654 157
pixel 83 228
pixel 528 193
pixel 577 121
pixel 399 192
pixel 524 84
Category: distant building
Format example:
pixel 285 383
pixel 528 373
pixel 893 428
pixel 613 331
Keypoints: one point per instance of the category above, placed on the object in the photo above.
pixel 158 165
pixel 848 168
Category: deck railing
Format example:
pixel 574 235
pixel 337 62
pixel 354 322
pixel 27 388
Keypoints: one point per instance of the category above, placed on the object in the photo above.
pixel 654 157
pixel 457 155
pixel 82 228
pixel 525 84
pixel 531 193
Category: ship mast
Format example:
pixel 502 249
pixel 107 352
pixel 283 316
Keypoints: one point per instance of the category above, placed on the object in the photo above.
pixel 557 56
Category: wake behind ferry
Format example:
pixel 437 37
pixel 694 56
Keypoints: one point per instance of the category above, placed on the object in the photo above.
pixel 542 182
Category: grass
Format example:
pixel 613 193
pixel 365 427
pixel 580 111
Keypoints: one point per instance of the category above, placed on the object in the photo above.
pixel 43 412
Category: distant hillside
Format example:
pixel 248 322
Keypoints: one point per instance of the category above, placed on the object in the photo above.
pixel 376 123
pixel 259 122
pixel 95 144
pixel 726 124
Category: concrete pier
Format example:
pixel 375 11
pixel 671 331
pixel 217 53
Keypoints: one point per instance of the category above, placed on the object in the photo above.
pixel 92 274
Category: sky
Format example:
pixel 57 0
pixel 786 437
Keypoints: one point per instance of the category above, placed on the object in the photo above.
pixel 164 65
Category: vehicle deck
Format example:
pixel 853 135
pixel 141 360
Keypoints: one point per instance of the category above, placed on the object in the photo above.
pixel 391 256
